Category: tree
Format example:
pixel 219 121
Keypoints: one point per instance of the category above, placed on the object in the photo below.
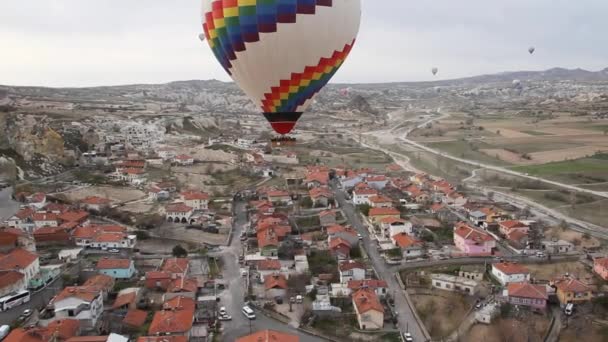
pixel 142 235
pixel 179 251
pixel 306 203
pixel 364 208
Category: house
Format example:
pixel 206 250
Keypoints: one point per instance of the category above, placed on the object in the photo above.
pixel 557 246
pixel 301 263
pixel 37 200
pixel 351 270
pixel 103 282
pixel 57 330
pixel 183 287
pixel 157 194
pixel 23 220
pixel 362 195
pixel 95 203
pixel 376 215
pixel 78 217
pixel 570 290
pixel 327 218
pixel 268 267
pixel 600 267
pixel 162 339
pixel 378 286
pixel 126 299
pixel 104 237
pixel 477 217
pixel 472 241
pixel 178 213
pixel 157 280
pixel 392 226
pixel 184 160
pixel 509 272
pixel 377 182
pixel 175 319
pixel 349 182
pixel 279 196
pixel 116 268
pixel 176 267
pixel 9 240
pixel 321 197
pixel 275 285
pixel 316 179
pixel 133 176
pixel 11 281
pixel 135 319
pixel 268 242
pixel 22 261
pixel 83 303
pixel 339 248
pixel 195 199
pixel 346 233
pixel 268 336
pixel 410 246
pixel 487 313
pixel 472 272
pixel 380 202
pixel 44 219
pixel 525 294
pixel 369 310
pixel 454 199
pixel 508 227
pixel 454 283
pixel 51 236
pixel 108 338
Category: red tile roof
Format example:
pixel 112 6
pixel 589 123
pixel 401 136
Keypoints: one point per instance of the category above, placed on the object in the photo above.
pixel 125 299
pixel 184 157
pixel 133 171
pixel 8 278
pixel 365 191
pixel 275 281
pixel 8 239
pixel 380 199
pixel 469 233
pixel 74 216
pixel 350 265
pixel 178 208
pixel 268 336
pixel 102 281
pixel 379 178
pixel 87 232
pixel 106 264
pixel 526 290
pixel 367 283
pixel 44 217
pixel 277 193
pixel 602 262
pixel 85 293
pixel 135 318
pixel 17 259
pixel 171 322
pixel 337 242
pixel 511 268
pixel 510 224
pixel 109 237
pixel 175 265
pixel 194 195
pixel 571 285
pixel 267 237
pixel 269 264
pixel 62 329
pixel 320 192
pixel 183 285
pixel 392 220
pixel 327 213
pixel 365 300
pixel 322 177
pixel 383 211
pixel 179 303
pixel 158 275
pixel 96 200
pixel 405 241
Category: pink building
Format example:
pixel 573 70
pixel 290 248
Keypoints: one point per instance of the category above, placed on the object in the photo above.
pixel 534 296
pixel 472 241
pixel 600 267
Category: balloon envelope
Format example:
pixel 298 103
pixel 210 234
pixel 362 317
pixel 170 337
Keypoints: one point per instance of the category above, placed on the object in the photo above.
pixel 434 71
pixel 201 37
pixel 531 49
pixel 281 52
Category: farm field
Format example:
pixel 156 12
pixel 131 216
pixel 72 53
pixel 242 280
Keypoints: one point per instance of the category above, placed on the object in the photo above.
pixel 592 169
pixel 116 195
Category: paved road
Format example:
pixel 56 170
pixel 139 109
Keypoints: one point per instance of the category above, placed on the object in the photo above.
pixel 233 297
pixel 7 206
pixel 405 316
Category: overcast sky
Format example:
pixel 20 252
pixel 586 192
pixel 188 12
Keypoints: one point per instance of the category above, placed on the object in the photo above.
pixel 107 42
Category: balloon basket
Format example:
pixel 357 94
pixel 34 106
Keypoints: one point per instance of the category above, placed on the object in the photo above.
pixel 283 141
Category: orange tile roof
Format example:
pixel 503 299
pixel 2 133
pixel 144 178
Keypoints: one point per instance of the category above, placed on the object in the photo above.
pixel 322 177
pixel 106 264
pixel 8 239
pixel 511 268
pixel 392 220
pixel 516 235
pixel 88 339
pixel 74 216
pixel 171 322
pixel 268 336
pixel 109 237
pixel 44 217
pixel 183 285
pixel 85 293
pixel 379 178
pixel 336 242
pixel 350 265
pixel 510 224
pixel 158 275
pixel 571 285
pixel 267 237
pixel 327 212
pixel 275 281
pixel 277 193
pixel 526 290
pixel 184 157
pixel 269 264
pixel 194 195
pixel 175 265
pixel 367 283
pixel 87 232
pixel 62 328
pixel 365 191
pixel 320 192
pixel 179 303
pixel 469 233
pixel 8 278
pixel 124 299
pixel 133 171
pixel 100 280
pixel 336 228
pixel 405 241
pixel 380 199
pixel 135 318
pixel 602 262
pixel 383 211
pixel 365 299
pixel 178 208
pixel 17 259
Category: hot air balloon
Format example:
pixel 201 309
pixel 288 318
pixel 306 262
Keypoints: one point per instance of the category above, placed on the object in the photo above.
pixel 434 71
pixel 531 49
pixel 281 53
pixel 201 37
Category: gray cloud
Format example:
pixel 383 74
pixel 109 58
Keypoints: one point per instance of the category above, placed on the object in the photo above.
pixel 79 43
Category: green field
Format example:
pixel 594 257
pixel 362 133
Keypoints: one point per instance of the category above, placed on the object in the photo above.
pixel 466 150
pixel 585 170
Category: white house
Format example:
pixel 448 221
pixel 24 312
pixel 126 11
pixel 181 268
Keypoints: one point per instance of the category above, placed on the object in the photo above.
pixel 84 303
pixel 557 247
pixel 362 195
pixel 454 283
pixel 166 153
pixel 369 310
pixel 22 261
pixel 507 272
pixel 133 176
pixel 184 160
pixel 377 182
pixel 178 212
pixel 379 286
pixel 392 226
pixel 44 219
pixel 351 270
pixel 195 199
pixel 37 200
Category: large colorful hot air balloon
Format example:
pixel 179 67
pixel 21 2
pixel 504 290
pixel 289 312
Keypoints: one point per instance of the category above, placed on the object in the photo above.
pixel 281 52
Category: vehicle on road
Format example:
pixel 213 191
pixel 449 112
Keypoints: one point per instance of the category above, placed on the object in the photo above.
pixel 407 337
pixel 248 312
pixel 114 250
pixel 4 330
pixel 569 309
pixel 225 318
pixel 299 299
pixel 223 311
pixel 359 236
pixel 13 300
pixel 478 305
pixel 25 315
pixel 540 254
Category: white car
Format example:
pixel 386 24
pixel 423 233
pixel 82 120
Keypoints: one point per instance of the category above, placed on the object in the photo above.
pixel 223 311
pixel 359 236
pixel 114 250
pixel 225 318
pixel 407 337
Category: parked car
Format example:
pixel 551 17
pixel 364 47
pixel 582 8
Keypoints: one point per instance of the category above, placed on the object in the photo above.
pixel 359 236
pixel 223 311
pixel 225 318
pixel 114 250
pixel 26 314
pixel 407 337
pixel 4 330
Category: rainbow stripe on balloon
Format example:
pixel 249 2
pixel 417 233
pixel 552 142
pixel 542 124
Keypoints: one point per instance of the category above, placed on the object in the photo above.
pixel 294 92
pixel 232 23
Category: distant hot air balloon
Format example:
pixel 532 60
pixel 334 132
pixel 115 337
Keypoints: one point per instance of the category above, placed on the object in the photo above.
pixel 434 71
pixel 281 53
pixel 531 49
pixel 201 37
pixel 516 84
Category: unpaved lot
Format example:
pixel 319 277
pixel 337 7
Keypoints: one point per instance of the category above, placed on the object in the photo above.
pixel 564 154
pixel 505 155
pixel 550 271
pixel 510 133
pixel 180 233
pixel 532 328
pixel 441 325
pixel 116 195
